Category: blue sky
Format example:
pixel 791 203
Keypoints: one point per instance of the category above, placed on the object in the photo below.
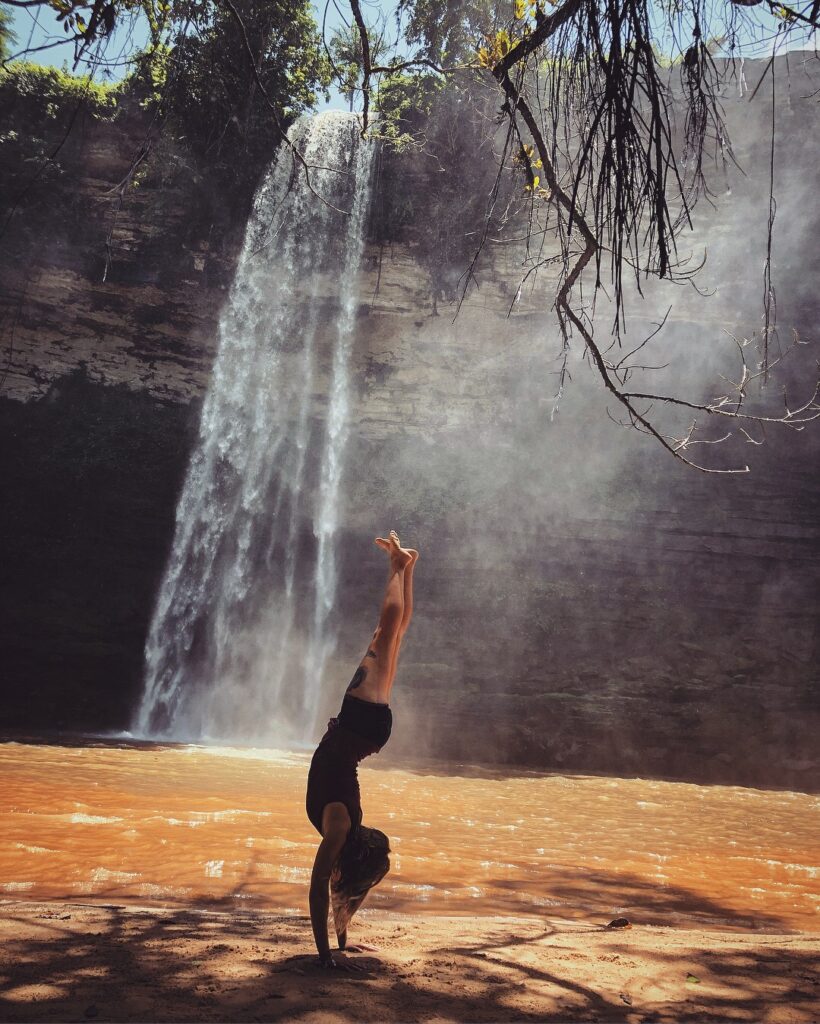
pixel 38 26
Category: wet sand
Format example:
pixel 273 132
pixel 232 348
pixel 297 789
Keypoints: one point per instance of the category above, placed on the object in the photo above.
pixel 64 962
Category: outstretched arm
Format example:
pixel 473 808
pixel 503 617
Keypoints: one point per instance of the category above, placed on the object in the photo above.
pixel 336 825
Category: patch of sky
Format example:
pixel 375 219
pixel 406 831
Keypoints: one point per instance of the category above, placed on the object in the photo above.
pixel 40 38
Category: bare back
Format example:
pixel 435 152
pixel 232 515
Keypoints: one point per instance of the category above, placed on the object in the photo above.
pixel 372 680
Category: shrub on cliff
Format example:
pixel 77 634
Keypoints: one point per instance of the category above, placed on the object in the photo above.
pixel 40 105
pixel 200 114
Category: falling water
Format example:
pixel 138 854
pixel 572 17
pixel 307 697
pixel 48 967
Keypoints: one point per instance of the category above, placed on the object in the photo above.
pixel 242 628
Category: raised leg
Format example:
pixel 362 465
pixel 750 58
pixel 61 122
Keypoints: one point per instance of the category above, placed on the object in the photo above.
pixel 391 616
pixel 374 677
pixel 407 612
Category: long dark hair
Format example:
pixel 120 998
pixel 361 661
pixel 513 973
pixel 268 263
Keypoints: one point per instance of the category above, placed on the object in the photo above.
pixel 363 863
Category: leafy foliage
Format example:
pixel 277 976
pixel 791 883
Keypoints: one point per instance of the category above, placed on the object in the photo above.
pixel 205 89
pixel 446 31
pixel 86 22
pixel 404 105
pixel 48 91
pixel 7 36
pixel 346 54
pixel 39 103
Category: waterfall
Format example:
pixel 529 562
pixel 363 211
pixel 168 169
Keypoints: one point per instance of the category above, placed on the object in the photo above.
pixel 242 628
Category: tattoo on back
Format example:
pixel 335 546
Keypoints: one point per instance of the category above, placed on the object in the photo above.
pixel 357 679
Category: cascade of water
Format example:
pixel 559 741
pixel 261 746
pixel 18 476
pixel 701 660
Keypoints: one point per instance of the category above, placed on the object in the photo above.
pixel 242 627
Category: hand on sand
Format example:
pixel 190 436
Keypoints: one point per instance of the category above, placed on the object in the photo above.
pixel 399 556
pixel 340 962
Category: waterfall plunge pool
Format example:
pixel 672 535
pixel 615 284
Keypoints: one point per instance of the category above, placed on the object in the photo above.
pixel 203 826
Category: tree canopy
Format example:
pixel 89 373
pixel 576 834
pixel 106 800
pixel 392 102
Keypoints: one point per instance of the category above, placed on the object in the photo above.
pixel 218 83
pixel 233 77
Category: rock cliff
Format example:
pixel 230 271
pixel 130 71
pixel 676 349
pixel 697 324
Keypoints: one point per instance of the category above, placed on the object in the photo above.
pixel 584 603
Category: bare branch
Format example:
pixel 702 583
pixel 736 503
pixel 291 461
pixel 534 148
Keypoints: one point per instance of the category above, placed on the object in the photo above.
pixel 603 137
pixel 367 68
pixel 659 327
pixel 806 19
pixel 791 418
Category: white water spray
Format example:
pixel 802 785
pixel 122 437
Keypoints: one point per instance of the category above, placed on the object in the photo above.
pixel 242 630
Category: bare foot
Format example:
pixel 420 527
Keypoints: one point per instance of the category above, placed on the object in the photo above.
pixel 399 556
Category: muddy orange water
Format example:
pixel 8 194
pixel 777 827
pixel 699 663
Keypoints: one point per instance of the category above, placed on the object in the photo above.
pixel 226 827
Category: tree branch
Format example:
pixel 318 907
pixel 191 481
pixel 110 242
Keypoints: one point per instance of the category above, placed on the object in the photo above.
pixel 297 156
pixel 547 27
pixel 367 67
pixel 618 196
pixel 516 102
pixel 810 19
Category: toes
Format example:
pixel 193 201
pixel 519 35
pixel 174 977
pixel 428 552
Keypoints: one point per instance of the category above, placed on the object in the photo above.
pixel 392 545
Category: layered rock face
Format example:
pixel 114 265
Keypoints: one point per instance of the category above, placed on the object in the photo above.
pixel 584 602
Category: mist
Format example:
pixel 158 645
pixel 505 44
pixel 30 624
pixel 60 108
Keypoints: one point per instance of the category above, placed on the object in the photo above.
pixel 584 600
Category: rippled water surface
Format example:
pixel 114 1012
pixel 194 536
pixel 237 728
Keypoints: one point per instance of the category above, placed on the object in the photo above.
pixel 169 825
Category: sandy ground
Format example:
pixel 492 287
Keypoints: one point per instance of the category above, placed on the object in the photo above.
pixel 71 962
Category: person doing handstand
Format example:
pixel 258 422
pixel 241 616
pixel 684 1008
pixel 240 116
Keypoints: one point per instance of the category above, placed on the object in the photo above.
pixel 352 858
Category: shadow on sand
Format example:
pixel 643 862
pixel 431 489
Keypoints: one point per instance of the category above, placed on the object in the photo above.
pixel 598 896
pixel 67 962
